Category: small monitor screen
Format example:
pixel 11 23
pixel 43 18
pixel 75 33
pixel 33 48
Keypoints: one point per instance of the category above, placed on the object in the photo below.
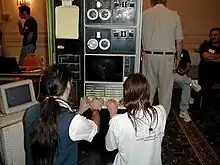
pixel 18 95
pixel 104 68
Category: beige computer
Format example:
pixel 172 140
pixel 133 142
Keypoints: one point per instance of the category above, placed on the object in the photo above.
pixel 16 96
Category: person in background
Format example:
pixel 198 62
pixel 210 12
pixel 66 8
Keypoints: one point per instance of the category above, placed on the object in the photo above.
pixel 28 28
pixel 161 38
pixel 52 129
pixel 209 66
pixel 186 83
pixel 138 133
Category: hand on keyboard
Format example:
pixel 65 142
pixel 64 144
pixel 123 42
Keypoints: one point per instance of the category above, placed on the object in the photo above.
pixel 105 100
pixel 112 106
pixel 96 104
pixel 84 106
pixel 86 103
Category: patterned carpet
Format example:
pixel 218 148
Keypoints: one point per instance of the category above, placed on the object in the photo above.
pixel 176 147
pixel 207 121
pixel 203 133
pixel 201 147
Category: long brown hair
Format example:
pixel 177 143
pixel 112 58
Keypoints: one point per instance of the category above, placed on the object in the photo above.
pixel 136 98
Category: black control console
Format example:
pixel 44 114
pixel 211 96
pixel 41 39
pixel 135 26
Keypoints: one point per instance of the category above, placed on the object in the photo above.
pixel 110 41
pixel 114 12
pixel 112 46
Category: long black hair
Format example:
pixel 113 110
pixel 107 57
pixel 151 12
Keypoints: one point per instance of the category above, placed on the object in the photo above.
pixel 44 138
pixel 136 98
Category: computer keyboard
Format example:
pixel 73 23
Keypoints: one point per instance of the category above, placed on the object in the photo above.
pixel 104 100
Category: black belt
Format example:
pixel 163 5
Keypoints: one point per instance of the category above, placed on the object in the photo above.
pixel 165 53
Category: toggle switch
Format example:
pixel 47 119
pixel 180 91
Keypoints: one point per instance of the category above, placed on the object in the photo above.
pixel 98 4
pixel 132 4
pixel 116 4
pixel 124 4
pixel 98 35
pixel 116 34
pixel 131 34
pixel 123 33
pixel 60 47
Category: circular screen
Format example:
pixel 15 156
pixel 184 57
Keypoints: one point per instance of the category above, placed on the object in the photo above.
pixel 104 44
pixel 92 14
pixel 104 14
pixel 92 44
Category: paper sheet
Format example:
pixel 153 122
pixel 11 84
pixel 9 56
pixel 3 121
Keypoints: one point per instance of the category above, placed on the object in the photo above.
pixel 67 22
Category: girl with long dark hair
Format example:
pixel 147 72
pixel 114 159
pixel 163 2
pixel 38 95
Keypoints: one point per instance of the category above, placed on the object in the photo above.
pixel 52 128
pixel 138 133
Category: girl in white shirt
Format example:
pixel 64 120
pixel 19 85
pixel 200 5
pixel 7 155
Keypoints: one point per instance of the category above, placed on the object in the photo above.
pixel 138 133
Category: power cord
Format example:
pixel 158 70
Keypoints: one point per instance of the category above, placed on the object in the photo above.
pixel 39 84
pixel 43 67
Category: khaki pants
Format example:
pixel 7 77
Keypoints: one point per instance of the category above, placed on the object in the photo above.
pixel 158 70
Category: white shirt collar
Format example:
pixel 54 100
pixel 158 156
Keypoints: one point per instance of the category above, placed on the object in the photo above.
pixel 62 103
pixel 159 5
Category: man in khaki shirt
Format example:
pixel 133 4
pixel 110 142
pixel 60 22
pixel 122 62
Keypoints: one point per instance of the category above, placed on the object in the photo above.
pixel 161 38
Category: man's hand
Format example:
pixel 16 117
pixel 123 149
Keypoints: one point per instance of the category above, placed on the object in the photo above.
pixel 180 71
pixel 177 62
pixel 19 23
pixel 210 56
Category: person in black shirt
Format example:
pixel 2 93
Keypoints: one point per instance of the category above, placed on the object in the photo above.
pixel 182 79
pixel 28 30
pixel 209 66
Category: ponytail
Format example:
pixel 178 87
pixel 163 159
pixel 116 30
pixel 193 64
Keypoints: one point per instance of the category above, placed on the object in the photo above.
pixel 45 133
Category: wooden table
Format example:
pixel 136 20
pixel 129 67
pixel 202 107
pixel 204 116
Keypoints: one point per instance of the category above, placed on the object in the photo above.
pixel 10 77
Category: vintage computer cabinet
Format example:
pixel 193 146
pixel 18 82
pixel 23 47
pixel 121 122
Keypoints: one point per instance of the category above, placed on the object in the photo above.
pixel 112 41
pixel 107 49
